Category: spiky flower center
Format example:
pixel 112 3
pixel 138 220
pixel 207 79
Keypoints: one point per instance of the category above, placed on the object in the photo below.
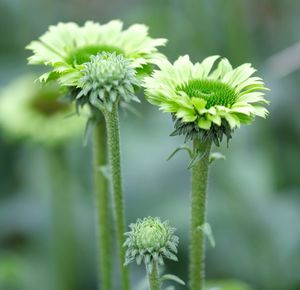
pixel 153 234
pixel 82 55
pixel 47 103
pixel 107 78
pixel 213 92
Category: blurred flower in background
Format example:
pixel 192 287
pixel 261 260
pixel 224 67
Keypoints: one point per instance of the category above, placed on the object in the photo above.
pixel 38 114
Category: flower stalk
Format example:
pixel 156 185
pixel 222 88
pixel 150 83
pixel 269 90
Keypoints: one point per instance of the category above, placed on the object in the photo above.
pixel 102 201
pixel 198 216
pixel 113 145
pixel 153 278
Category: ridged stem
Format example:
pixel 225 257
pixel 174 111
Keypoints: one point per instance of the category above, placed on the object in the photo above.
pixel 113 141
pixel 198 214
pixel 103 210
pixel 153 278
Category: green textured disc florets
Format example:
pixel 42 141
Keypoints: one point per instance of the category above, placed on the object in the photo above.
pixel 150 240
pixel 83 54
pixel 213 92
pixel 107 78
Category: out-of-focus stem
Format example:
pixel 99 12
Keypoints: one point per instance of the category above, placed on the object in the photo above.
pixel 103 209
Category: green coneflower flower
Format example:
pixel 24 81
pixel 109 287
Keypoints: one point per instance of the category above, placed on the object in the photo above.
pixel 206 103
pixel 67 46
pixel 106 79
pixel 37 114
pixel 150 240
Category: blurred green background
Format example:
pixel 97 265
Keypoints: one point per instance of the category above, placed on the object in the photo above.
pixel 254 201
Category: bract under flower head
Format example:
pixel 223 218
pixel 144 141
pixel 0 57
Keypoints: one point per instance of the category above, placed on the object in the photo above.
pixel 106 79
pixel 206 103
pixel 150 240
pixel 67 46
pixel 37 114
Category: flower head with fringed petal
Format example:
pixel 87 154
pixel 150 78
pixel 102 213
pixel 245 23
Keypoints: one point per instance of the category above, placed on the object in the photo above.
pixel 67 46
pixel 206 103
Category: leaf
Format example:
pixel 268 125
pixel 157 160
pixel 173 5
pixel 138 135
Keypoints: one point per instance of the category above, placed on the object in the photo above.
pixel 172 278
pixel 105 170
pixel 216 156
pixel 183 147
pixel 90 124
pixel 206 229
pixel 198 155
pixel 131 109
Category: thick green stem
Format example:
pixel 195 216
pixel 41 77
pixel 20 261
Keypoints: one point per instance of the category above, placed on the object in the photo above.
pixel 113 139
pixel 103 216
pixel 198 212
pixel 153 278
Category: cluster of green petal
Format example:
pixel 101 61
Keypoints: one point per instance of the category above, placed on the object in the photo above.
pixel 106 79
pixel 37 114
pixel 66 46
pixel 150 240
pixel 207 96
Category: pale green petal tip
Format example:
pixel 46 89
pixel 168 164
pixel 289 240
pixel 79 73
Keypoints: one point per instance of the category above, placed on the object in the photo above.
pixel 207 99
pixel 36 114
pixel 66 46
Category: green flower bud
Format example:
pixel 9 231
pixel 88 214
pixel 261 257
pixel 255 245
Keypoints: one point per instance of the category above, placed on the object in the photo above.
pixel 106 79
pixel 150 240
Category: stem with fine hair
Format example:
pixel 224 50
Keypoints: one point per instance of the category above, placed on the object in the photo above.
pixel 113 141
pixel 198 214
pixel 153 278
pixel 103 217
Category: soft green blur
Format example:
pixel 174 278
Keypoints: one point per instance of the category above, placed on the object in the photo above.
pixel 47 237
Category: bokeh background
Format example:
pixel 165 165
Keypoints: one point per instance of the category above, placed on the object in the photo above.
pixel 254 201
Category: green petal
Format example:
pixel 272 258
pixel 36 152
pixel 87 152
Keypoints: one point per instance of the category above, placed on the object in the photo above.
pixel 232 120
pixel 186 115
pixel 199 104
pixel 204 123
pixel 215 119
pixel 208 63
pixel 223 68
pixel 260 111
pixel 183 68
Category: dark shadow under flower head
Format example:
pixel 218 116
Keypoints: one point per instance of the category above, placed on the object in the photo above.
pixel 206 103
pixel 106 79
pixel 150 240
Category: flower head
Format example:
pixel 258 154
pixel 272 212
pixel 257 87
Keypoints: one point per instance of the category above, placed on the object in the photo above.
pixel 37 114
pixel 107 78
pixel 206 103
pixel 67 46
pixel 150 240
